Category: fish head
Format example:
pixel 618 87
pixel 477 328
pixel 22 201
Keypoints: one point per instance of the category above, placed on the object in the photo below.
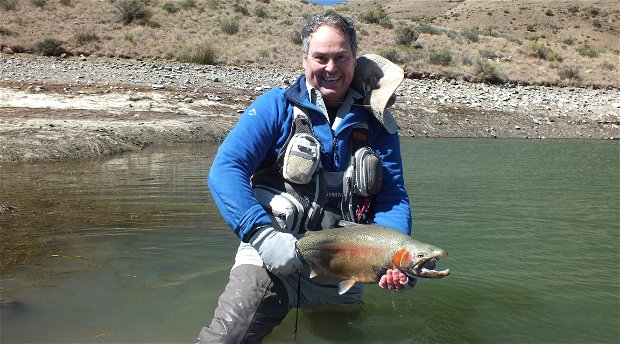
pixel 420 261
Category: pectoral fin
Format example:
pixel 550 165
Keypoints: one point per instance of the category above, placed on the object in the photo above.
pixel 345 285
pixel 313 271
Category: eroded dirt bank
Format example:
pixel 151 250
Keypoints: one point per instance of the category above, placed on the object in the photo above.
pixel 66 109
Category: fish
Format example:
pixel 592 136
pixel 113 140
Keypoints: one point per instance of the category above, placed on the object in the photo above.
pixel 356 253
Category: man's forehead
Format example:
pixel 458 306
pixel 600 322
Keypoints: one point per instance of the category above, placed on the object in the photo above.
pixel 333 42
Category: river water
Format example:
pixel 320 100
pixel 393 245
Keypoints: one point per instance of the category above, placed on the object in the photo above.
pixel 131 248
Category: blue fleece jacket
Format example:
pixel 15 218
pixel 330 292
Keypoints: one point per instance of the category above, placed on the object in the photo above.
pixel 260 134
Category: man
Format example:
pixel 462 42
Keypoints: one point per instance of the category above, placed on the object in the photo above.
pixel 289 166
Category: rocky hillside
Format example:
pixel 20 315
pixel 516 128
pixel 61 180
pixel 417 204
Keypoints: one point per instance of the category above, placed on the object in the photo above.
pixel 549 42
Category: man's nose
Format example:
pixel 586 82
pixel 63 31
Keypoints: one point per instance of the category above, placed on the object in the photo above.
pixel 331 65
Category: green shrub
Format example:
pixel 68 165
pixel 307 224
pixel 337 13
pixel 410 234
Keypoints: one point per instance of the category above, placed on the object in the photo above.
pixel 608 66
pixel 6 32
pixel 573 9
pixel 405 35
pixel 470 35
pixel 49 47
pixel 569 40
pixel 542 51
pixel 549 12
pixel 38 3
pixel 377 15
pixel 429 29
pixel 296 38
pixel 229 26
pixel 440 57
pixel 8 5
pixel 171 7
pixel 486 72
pixel 569 72
pixel 187 4
pixel 128 11
pixel 85 37
pixel 238 8
pixel 260 11
pixel 587 50
pixel 202 54
pixel 592 11
pixel 65 2
pixel 391 54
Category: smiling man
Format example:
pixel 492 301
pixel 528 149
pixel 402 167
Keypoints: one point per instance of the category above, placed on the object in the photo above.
pixel 302 159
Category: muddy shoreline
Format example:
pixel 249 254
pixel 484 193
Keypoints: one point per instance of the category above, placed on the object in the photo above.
pixel 53 109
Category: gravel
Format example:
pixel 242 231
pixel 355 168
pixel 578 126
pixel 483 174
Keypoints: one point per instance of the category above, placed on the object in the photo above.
pixel 52 108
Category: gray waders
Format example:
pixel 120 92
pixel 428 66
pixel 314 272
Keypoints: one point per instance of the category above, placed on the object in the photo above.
pixel 253 303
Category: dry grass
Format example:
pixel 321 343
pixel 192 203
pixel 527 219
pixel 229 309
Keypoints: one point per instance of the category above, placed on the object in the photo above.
pixel 497 31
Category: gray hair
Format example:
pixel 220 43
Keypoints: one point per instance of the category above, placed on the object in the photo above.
pixel 331 19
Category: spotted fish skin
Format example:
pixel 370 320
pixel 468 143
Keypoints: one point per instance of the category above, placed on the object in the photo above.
pixel 362 253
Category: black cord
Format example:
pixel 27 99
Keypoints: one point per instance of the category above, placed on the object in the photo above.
pixel 298 300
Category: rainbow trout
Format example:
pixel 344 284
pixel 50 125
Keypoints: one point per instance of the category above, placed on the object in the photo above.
pixel 363 253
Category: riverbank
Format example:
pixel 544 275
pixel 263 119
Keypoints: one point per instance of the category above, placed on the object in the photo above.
pixel 55 109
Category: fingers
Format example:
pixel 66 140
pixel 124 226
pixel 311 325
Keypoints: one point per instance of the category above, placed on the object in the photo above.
pixel 394 280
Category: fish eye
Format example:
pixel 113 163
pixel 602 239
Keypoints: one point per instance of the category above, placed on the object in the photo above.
pixel 420 255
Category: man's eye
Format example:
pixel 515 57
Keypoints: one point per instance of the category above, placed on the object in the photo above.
pixel 321 59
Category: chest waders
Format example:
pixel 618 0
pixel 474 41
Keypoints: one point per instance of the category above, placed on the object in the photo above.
pixel 299 196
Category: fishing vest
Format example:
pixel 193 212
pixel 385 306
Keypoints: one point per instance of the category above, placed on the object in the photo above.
pixel 300 196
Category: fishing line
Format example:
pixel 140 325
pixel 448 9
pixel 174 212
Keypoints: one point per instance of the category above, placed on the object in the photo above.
pixel 298 298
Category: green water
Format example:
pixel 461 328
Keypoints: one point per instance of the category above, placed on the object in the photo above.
pixel 132 249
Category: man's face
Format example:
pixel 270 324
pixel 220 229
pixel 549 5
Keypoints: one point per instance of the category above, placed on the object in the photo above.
pixel 330 64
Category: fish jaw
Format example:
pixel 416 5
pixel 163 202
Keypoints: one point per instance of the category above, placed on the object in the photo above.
pixel 420 265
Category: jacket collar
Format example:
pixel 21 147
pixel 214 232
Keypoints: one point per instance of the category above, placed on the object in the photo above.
pixel 301 93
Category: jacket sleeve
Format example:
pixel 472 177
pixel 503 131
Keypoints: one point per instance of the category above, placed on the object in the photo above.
pixel 391 204
pixel 257 132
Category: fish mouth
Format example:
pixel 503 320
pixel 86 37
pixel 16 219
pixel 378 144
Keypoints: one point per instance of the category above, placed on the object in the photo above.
pixel 426 268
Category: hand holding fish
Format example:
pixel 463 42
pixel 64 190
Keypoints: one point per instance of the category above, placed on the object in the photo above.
pixel 395 280
pixel 277 250
pixel 370 254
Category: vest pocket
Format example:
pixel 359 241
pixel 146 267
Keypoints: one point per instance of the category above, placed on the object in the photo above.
pixel 302 158
pixel 368 172
pixel 285 210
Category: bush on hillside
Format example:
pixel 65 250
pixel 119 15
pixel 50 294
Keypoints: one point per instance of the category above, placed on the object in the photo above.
pixel 440 57
pixel 587 50
pixel 229 26
pixel 542 51
pixel 569 72
pixel 8 5
pixel 171 7
pixel 49 47
pixel 377 15
pixel 405 35
pixel 202 54
pixel 85 37
pixel 128 11
pixel 38 3
pixel 486 72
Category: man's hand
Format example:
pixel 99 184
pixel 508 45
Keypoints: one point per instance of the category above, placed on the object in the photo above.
pixel 395 280
pixel 278 250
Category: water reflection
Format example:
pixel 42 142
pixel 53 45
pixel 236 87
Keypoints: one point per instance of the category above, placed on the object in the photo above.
pixel 132 249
